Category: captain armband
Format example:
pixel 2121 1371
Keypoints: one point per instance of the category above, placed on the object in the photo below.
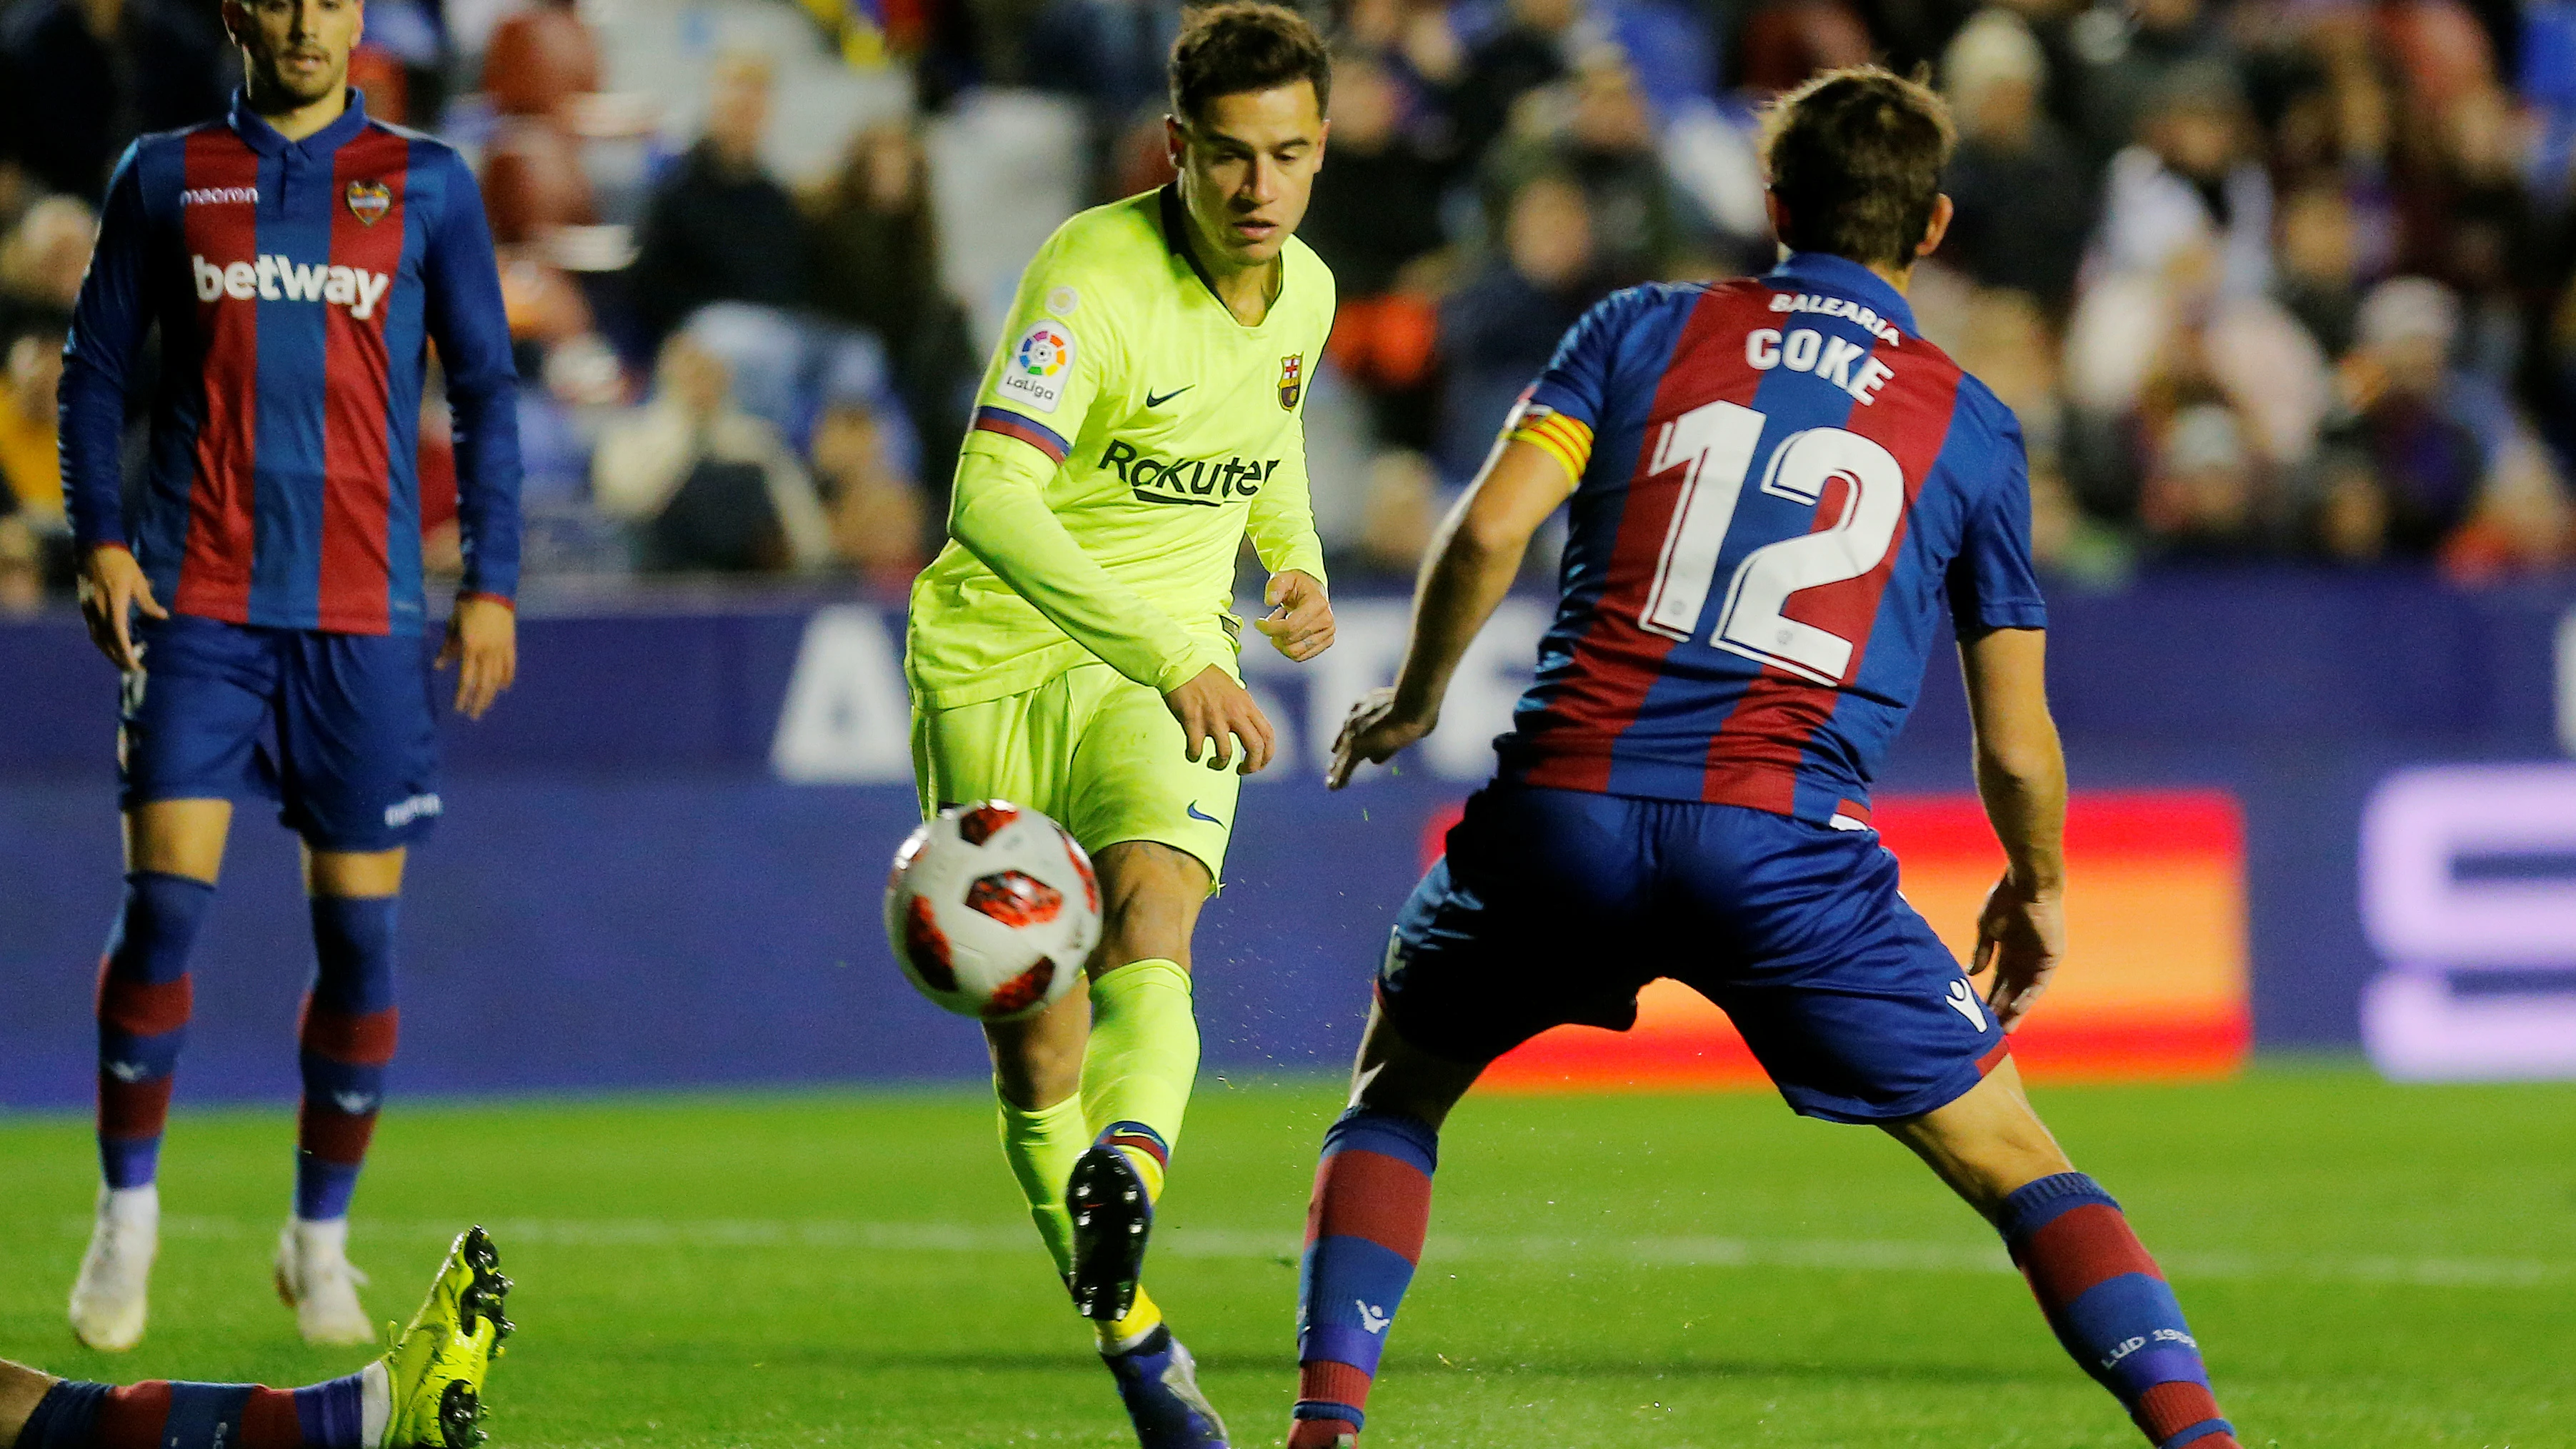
pixel 1568 440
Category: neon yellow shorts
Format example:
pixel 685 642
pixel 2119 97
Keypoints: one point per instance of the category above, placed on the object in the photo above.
pixel 1092 748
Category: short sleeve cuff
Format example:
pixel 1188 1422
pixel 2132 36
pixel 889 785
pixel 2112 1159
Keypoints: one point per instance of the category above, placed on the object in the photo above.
pixel 2029 614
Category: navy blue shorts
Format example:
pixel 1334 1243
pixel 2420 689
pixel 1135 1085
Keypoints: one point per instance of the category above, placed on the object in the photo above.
pixel 338 729
pixel 1557 906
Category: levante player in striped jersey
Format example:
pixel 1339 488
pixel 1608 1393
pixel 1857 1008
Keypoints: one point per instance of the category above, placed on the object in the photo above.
pixel 298 259
pixel 1774 484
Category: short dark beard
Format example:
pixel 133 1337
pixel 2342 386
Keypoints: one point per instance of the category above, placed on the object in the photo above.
pixel 268 92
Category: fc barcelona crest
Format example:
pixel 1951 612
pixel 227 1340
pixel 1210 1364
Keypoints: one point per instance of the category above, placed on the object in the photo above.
pixel 369 201
pixel 1291 369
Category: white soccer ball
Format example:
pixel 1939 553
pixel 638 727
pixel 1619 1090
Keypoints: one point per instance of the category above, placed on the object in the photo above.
pixel 992 909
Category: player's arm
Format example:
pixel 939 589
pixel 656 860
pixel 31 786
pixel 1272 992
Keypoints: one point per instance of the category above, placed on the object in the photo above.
pixel 999 513
pixel 1282 526
pixel 2021 776
pixel 1473 560
pixel 461 285
pixel 2021 769
pixel 108 325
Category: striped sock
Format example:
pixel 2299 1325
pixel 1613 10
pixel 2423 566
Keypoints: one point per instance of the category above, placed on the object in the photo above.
pixel 144 1000
pixel 347 1036
pixel 1364 1230
pixel 163 1415
pixel 1145 1148
pixel 2111 1308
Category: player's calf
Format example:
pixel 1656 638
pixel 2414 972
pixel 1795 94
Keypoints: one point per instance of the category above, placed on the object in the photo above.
pixel 2103 1295
pixel 2112 1308
pixel 144 1001
pixel 1364 1230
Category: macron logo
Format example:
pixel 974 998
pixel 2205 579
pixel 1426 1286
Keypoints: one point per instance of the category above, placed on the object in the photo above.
pixel 219 195
pixel 274 278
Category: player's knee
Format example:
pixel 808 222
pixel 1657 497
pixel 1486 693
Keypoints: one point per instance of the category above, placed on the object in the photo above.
pixel 178 837
pixel 1150 895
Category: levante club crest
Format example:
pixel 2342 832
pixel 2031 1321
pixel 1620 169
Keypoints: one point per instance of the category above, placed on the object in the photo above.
pixel 369 201
pixel 1291 369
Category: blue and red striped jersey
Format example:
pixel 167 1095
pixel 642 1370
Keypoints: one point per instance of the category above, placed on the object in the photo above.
pixel 297 286
pixel 1784 482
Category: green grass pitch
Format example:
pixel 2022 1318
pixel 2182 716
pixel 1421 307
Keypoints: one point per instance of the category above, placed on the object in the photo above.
pixel 2366 1265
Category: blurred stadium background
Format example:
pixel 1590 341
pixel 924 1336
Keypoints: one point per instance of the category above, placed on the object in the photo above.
pixel 2283 291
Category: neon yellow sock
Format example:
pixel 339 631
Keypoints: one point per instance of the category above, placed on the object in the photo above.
pixel 1143 1056
pixel 1041 1146
pixel 1130 1331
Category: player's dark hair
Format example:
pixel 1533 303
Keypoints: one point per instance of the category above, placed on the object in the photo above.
pixel 1855 155
pixel 1245 45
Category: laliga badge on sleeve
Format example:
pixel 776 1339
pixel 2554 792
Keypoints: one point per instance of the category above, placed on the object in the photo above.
pixel 369 201
pixel 1034 373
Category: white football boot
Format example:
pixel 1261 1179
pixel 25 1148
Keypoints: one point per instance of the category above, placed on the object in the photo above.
pixel 315 1279
pixel 108 1298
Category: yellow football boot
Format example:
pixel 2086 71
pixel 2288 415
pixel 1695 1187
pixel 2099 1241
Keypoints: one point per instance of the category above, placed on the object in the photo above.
pixel 436 1368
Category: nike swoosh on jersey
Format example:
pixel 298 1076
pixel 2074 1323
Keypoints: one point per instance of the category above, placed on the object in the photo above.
pixel 1155 400
pixel 1196 813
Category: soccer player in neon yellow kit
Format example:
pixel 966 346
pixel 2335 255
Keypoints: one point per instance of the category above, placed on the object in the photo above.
pixel 1071 649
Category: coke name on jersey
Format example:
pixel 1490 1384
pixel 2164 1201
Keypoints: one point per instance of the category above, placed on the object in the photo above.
pixel 274 278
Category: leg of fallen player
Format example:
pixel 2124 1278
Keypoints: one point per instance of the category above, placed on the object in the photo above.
pixel 1364 1227
pixel 2102 1293
pixel 426 1393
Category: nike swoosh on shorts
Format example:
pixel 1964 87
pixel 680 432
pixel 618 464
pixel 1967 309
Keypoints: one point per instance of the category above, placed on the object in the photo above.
pixel 1196 813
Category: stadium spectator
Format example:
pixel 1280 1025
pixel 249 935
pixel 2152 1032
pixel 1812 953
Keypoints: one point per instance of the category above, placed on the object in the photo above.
pixel 539 59
pixel 1375 220
pixel 41 262
pixel 2013 174
pixel 1528 50
pixel 2431 431
pixel 81 78
pixel 1377 201
pixel 879 518
pixel 703 485
pixel 2125 59
pixel 874 243
pixel 720 227
pixel 2192 182
pixel 30 469
pixel 1595 130
pixel 2319 277
pixel 1498 331
pixel 2205 498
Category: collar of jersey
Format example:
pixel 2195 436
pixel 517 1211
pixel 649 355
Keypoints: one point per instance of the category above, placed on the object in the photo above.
pixel 1825 272
pixel 263 138
pixel 1173 214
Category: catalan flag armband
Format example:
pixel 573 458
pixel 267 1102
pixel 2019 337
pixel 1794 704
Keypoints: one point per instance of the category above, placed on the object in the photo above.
pixel 1568 440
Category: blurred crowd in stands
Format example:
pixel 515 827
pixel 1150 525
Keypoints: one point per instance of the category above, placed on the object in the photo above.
pixel 2284 280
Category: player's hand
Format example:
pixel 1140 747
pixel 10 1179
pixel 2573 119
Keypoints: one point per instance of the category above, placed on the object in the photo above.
pixel 1375 730
pixel 1300 621
pixel 112 586
pixel 2021 933
pixel 482 636
pixel 1216 713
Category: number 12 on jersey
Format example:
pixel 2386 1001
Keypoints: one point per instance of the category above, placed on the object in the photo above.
pixel 1715 444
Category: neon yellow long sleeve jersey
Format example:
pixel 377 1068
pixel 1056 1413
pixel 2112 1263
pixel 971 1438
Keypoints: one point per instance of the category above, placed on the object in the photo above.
pixel 1129 432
